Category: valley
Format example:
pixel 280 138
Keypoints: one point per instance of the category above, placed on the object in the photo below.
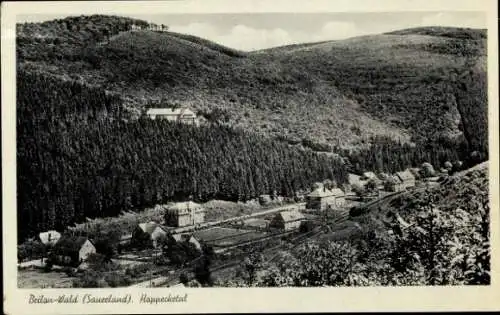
pixel 151 158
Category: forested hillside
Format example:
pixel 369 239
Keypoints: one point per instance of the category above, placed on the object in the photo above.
pixel 413 84
pixel 81 79
pixel 77 158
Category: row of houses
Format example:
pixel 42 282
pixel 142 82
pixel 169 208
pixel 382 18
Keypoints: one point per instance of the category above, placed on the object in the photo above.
pixel 398 181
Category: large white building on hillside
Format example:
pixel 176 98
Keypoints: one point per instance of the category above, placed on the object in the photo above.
pixel 183 115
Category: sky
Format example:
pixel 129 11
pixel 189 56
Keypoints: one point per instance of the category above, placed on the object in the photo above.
pixel 253 31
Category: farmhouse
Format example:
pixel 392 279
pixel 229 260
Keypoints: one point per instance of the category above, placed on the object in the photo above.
pixel 183 115
pixel 322 198
pixel 407 179
pixel 184 214
pixel 49 237
pixel 287 220
pixel 71 251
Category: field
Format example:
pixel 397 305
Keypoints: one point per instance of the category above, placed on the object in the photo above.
pixel 257 222
pixel 37 279
pixel 243 237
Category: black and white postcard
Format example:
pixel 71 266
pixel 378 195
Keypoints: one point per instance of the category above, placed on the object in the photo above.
pixel 218 156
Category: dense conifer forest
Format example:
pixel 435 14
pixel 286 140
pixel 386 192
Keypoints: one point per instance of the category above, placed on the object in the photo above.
pixel 79 78
pixel 77 158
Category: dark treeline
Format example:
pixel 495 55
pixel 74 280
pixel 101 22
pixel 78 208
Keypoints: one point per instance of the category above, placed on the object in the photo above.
pixel 387 155
pixel 76 162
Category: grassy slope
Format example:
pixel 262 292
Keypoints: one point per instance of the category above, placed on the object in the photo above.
pixel 338 92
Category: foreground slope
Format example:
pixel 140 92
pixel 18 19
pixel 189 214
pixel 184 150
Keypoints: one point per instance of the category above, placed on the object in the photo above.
pixel 337 93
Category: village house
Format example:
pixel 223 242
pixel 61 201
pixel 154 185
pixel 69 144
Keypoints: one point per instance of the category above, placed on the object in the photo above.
pixel 184 214
pixel 49 238
pixel 287 220
pixel 182 115
pixel 72 250
pixel 142 234
pixel 188 238
pixel 322 198
pixel 407 179
pixel 393 183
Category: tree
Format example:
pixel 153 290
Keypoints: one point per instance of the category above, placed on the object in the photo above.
pixel 250 265
pixel 371 185
pixel 428 170
pixel 329 184
pixel 448 165
pixel 183 278
pixel 358 189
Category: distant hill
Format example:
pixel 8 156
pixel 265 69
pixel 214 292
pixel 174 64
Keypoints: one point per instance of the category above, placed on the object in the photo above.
pixel 406 85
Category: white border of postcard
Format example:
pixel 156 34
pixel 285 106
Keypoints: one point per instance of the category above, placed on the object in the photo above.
pixel 227 300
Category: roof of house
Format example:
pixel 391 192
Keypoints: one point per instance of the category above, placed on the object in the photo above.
pixel 54 236
pixel 291 215
pixel 161 228
pixel 148 227
pixel 323 192
pixel 185 205
pixel 70 243
pixel 353 178
pixel 405 175
pixel 396 179
pixel 170 111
